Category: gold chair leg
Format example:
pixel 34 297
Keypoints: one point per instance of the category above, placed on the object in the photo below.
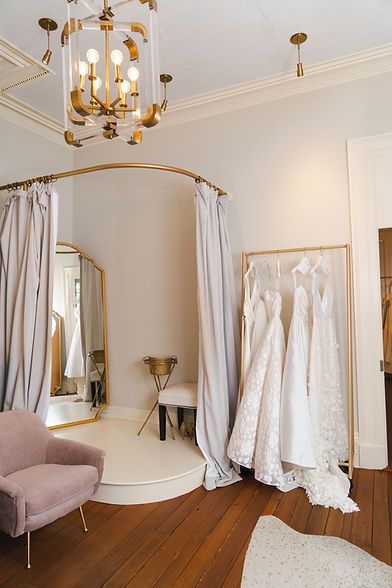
pixel 28 566
pixel 83 520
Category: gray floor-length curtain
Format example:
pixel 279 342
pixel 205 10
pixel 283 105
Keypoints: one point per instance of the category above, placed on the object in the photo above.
pixel 91 317
pixel 218 336
pixel 28 233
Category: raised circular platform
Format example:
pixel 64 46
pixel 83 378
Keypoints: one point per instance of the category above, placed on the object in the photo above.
pixel 140 469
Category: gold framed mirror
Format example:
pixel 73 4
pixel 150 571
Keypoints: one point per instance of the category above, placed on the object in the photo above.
pixel 79 388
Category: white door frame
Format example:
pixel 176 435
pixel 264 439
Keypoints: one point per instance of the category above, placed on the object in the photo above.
pixel 362 157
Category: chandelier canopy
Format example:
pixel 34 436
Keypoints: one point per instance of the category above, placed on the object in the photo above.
pixel 110 70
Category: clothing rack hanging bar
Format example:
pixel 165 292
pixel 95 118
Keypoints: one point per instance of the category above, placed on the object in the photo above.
pixel 350 387
pixel 294 250
pixel 106 166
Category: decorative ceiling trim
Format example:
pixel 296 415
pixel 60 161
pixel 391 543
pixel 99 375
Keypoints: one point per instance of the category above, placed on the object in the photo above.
pixel 18 68
pixel 353 67
pixel 24 115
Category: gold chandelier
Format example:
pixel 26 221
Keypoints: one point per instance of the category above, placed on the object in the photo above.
pixel 110 70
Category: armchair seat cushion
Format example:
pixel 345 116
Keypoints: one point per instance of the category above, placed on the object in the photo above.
pixel 48 486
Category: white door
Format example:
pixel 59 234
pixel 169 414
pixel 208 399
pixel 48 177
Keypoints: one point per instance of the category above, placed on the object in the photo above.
pixel 370 169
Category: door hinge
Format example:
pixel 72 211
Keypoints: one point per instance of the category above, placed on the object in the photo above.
pixel 382 366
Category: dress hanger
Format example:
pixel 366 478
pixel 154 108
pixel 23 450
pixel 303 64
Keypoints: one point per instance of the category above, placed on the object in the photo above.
pixel 303 266
pixel 321 262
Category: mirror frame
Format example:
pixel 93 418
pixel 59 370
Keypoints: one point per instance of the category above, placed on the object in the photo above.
pixel 105 342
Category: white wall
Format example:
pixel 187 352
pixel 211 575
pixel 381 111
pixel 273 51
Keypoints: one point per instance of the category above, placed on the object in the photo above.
pixel 285 164
pixel 24 154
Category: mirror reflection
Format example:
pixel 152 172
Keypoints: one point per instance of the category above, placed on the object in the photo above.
pixel 79 367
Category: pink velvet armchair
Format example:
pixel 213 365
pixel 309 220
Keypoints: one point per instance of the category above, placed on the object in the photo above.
pixel 42 478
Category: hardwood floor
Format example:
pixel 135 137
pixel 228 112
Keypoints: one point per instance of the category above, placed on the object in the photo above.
pixel 195 540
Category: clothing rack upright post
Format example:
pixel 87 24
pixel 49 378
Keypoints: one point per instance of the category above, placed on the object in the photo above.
pixel 350 391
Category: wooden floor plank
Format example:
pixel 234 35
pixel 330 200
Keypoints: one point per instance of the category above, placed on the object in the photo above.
pixel 187 537
pixel 381 521
pixel 234 577
pixel 301 513
pixel 151 539
pixel 317 520
pixel 202 558
pixel 202 536
pixel 153 525
pixel 273 503
pixel 287 504
pixel 334 526
pixel 349 518
pixel 240 534
pixel 362 526
pixel 56 540
pixel 67 571
pixel 389 482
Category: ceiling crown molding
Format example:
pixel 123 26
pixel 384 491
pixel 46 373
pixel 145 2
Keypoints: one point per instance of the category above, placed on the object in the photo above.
pixel 22 114
pixel 353 67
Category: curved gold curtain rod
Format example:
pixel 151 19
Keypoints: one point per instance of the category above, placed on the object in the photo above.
pixel 104 166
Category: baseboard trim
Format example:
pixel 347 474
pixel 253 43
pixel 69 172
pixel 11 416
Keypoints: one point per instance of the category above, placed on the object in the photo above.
pixel 134 414
pixel 372 457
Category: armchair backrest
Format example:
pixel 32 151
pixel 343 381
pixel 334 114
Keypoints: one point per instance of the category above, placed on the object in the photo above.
pixel 23 440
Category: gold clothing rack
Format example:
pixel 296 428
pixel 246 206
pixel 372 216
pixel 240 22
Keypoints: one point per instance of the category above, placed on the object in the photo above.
pixel 349 329
pixel 125 165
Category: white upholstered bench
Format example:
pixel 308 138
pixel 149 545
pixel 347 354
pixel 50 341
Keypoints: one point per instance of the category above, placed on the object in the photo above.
pixel 182 396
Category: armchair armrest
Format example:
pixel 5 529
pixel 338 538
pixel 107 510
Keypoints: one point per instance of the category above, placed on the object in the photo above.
pixel 12 508
pixel 67 452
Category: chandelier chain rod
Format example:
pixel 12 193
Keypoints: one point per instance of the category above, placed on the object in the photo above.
pixel 106 166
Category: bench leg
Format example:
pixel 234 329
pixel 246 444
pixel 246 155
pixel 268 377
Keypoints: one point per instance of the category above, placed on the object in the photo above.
pixel 180 416
pixel 162 422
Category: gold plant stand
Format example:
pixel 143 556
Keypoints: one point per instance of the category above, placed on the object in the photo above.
pixel 160 366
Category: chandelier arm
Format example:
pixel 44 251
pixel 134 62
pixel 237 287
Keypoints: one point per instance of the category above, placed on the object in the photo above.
pixel 106 166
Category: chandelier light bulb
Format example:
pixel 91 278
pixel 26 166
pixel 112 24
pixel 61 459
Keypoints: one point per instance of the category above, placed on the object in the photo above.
pixel 133 73
pixel 97 84
pixel 117 57
pixel 125 87
pixel 83 68
pixel 92 56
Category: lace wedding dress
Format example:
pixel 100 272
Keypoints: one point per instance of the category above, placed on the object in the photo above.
pixel 326 485
pixel 295 423
pixel 255 318
pixel 255 441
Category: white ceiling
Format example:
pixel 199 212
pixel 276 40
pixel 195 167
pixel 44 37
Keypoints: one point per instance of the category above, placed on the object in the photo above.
pixel 208 45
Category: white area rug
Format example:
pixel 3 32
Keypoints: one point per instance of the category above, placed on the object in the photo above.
pixel 279 557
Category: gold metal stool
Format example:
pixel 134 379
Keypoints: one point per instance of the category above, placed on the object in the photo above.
pixel 162 365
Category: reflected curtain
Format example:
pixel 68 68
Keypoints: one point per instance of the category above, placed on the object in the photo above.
pixel 91 317
pixel 28 232
pixel 218 336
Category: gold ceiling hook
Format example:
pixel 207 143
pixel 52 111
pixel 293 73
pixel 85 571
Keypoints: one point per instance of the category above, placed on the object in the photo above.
pixel 165 79
pixel 48 25
pixel 297 39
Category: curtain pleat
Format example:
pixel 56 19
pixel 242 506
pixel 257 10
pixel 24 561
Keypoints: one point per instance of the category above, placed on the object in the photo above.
pixel 218 336
pixel 28 233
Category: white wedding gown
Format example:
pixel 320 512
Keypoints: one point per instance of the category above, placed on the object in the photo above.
pixel 75 362
pixel 326 485
pixel 255 318
pixel 255 441
pixel 295 424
